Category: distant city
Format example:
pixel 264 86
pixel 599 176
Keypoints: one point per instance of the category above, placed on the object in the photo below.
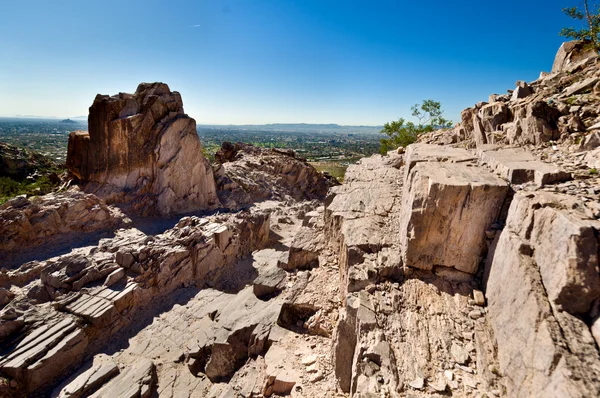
pixel 332 147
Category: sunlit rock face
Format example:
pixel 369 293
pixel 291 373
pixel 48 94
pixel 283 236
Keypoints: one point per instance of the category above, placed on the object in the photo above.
pixel 142 149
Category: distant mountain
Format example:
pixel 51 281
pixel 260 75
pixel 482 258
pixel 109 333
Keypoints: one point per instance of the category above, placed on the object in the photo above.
pixel 69 121
pixel 298 128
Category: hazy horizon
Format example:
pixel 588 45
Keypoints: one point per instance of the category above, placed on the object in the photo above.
pixel 254 63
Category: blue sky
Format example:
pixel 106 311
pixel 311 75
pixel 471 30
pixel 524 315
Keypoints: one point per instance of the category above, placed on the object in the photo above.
pixel 274 61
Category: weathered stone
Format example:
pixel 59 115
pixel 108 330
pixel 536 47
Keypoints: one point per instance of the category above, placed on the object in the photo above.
pixel 522 91
pixel 591 141
pixel 114 277
pixel 25 225
pixel 255 174
pixel 137 381
pixel 592 159
pixel 270 282
pixel 565 248
pixel 446 209
pixel 90 380
pixel 560 346
pixel 280 376
pixel 581 86
pixel 304 249
pixel 479 297
pixel 569 53
pixel 519 166
pixel 143 150
pixel 460 355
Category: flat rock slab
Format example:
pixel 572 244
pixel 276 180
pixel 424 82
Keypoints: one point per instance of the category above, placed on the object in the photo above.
pixel 581 86
pixel 46 349
pixel 417 153
pixel 445 211
pixel 137 381
pixel 90 380
pixel 519 166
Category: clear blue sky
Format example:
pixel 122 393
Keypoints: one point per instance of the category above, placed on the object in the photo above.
pixel 268 61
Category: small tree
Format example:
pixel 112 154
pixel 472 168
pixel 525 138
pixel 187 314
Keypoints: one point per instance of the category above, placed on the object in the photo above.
pixel 591 34
pixel 403 133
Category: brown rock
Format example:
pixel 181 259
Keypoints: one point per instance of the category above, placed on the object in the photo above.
pixel 142 148
pixel 569 53
pixel 446 209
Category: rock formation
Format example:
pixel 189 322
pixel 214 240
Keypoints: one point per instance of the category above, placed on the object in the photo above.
pixel 247 174
pixel 143 149
pixel 465 266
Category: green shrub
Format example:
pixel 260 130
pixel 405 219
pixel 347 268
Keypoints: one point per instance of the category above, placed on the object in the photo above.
pixel 403 133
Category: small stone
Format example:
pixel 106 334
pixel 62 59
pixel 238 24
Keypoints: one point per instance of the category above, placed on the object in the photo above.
pixel 469 382
pixel 449 375
pixel 465 369
pixel 418 383
pixel 14 384
pixel 460 355
pixel 470 347
pixel 468 335
pixel 314 368
pixel 439 384
pixel 475 314
pixel 309 359
pixel 478 297
pixel 317 377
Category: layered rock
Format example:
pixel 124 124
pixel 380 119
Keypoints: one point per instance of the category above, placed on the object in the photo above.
pixel 142 149
pixel 98 291
pixel 571 53
pixel 360 218
pixel 558 106
pixel 27 223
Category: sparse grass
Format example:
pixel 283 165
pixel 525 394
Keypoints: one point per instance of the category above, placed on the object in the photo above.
pixel 10 188
pixel 335 169
pixel 571 100
pixel 594 171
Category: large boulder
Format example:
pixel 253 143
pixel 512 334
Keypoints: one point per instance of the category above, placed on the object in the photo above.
pixel 570 53
pixel 534 123
pixel 446 210
pixel 143 149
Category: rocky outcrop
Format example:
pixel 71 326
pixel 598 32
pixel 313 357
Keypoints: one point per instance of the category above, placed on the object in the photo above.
pixel 557 106
pixel 26 223
pixel 466 269
pixel 535 337
pixel 403 330
pixel 571 53
pixel 143 150
pixel 545 263
pixel 247 174
pixel 99 291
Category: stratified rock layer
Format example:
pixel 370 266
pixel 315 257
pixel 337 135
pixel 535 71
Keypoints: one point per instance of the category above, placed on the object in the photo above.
pixel 142 149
